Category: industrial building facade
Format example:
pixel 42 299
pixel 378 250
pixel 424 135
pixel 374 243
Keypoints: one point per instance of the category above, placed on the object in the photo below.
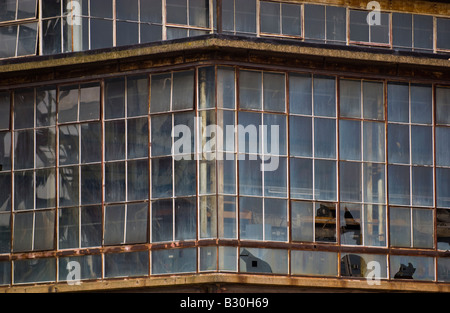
pixel 224 145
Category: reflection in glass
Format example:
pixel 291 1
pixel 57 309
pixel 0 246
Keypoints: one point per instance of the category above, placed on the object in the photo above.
pixel 23 232
pixel 91 226
pixel 208 258
pixel 68 186
pixel 68 104
pixel 270 17
pixel 373 100
pixel 68 144
pixel 89 102
pixel 228 259
pixel 114 98
pixel 161 86
pixel 23 149
pixel 24 108
pixel 5 197
pixel 291 19
pixel 101 32
pixel 185 177
pixel 45 106
pixel 45 188
pixel 44 224
pixel 314 21
pixel 68 226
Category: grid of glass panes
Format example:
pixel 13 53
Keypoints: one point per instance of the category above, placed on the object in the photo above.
pixel 443 167
pixel 239 17
pixel 362 163
pixel 360 31
pixel 280 18
pixel 313 155
pixel 412 31
pixel 410 164
pixel 262 155
pixel 19 34
pixel 325 23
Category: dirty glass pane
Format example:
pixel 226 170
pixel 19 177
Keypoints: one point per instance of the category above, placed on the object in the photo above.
pixel 91 147
pixel 23 232
pixel 7 10
pixel 23 149
pixel 300 145
pixel 5 236
pixel 324 96
pixel 151 11
pixel 375 225
pixel 380 33
pixel 90 267
pixel 129 264
pixel 137 217
pixel 161 177
pixel 443 229
pixel 185 218
pixel 226 174
pixel 423 232
pixel 421 145
pixel 398 182
pixel 301 178
pixel 411 267
pixel 34 271
pixel 89 102
pixel 68 104
pixel 51 8
pixel 374 142
pixel 270 17
pixel 161 86
pixel 27 42
pixel 374 183
pixel 5 151
pixel 316 263
pixel 291 19
pixel 350 98
pixel 68 144
pixel 443 146
pixel 275 177
pixel 162 220
pixel 24 108
pixel 91 184
pixel 324 138
pixel 423 32
pixel 226 88
pixel 227 217
pixel 115 140
pixel 300 94
pixel 302 215
pixel 68 186
pixel 137 96
pixel 359 28
pixel 275 219
pixel 350 181
pixel 251 218
pixel 245 16
pixel 357 265
pixel 248 132
pixel 176 11
pixel 68 225
pixel 127 33
pixel 5 197
pixel 102 8
pixel 253 260
pixel 45 147
pixel 402 30
pixel 250 93
pixel 185 177
pixel 442 105
pixel 45 188
pixel 421 104
pixel 400 227
pixel 137 143
pixel 174 261
pixel 208 217
pixel 443 265
pixel 51 33
pixel 91 226
pixel 45 106
pixel 114 224
pixel 44 230
pixel 206 87
pixel 101 32
pixel 8 37
pixel 5 107
pixel 115 98
pixel 443 187
pixel 150 32
pixel 228 15
pixel 250 175
pixel 398 102
pixel 199 13
pixel 336 18
pixel 274 135
pixel 398 143
pixel 137 180
pixel 350 140
pixel 127 10
pixel 115 182
pixel 274 92
pixel 314 21
pixel 207 175
pixel 373 100
pixel 325 180
pixel 183 90
pixel 443 33
pixel 208 259
pixel 161 139
pixel 351 224
pixel 175 33
pixel 325 222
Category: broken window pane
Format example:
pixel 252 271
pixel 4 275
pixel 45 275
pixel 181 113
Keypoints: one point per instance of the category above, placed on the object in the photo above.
pixel 325 222
pixel 357 265
pixel 316 263
pixel 443 229
pixel 411 267
pixel 350 224
pixel 254 260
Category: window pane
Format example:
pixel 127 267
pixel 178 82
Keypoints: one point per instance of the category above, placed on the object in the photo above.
pixel 151 11
pixel 423 31
pixel 137 217
pixel 91 226
pixel 421 104
pixel 325 180
pixel 45 106
pixel 443 105
pixel 300 94
pixel 423 224
pixel 226 175
pixel 314 21
pixel 68 225
pixel 183 90
pixel 442 231
pixel 129 264
pixel 274 135
pixel 114 224
pixel 101 8
pixel 356 265
pixel 44 225
pixel 199 13
pixel 359 28
pixel 162 220
pixel 373 101
pixel 336 23
pixel 185 218
pixel 161 177
pixel 150 32
pixel 398 182
pixel 248 132
pixel 127 33
pixel 291 19
pixel 68 104
pixel 350 224
pixel 91 139
pixel 5 197
pixel 251 218
pixel 161 87
pixel 443 33
pixel 176 11
pixel 208 217
pixel 68 144
pixel 245 16
pixel 270 17
pixel 402 30
pixel 90 267
pixel 250 176
pixel 137 179
pixel 27 41
pixel 23 149
pixel 412 267
pixel 227 217
pixel 250 93
pixel 115 98
pixel 374 225
pixel 5 151
pixel 275 181
pixel 208 258
pixel 398 102
pixel 226 88
pixel 350 140
pixel 127 10
pixel 68 186
pixel 324 138
pixel 301 138
pixel 374 183
pixel 254 260
pixel 91 184
pixel 8 10
pixel 115 182
pixel 350 181
pixel 89 102
pixel 44 270
pixel 422 145
pixel 45 188
pixel 374 142
pixel 23 232
pixel 325 222
pixel 302 221
pixel 443 265
pixel 380 33
pixel 442 146
pixel 161 130
pixel 24 109
pixel 398 143
pixel 8 37
pixel 174 261
pixel 5 107
pixel 301 176
pixel 137 138
pixel 115 140
pixel 185 177
pixel 45 147
pixel 274 92
pixel 400 227
pixel 101 32
pixel 206 87
pixel 324 96
pixel 316 263
pixel 350 98
pixel 443 187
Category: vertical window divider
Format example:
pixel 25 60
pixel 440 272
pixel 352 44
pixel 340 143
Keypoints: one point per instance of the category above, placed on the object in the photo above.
pixel 164 20
pixel 258 18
